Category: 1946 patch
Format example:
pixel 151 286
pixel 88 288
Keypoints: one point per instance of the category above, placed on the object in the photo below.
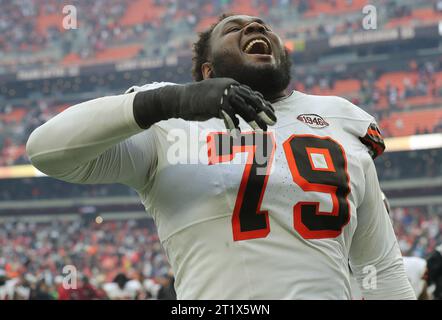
pixel 313 120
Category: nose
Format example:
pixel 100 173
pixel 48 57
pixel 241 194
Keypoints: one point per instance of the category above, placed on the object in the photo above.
pixel 254 27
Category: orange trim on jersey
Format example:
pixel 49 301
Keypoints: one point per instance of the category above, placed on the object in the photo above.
pixel 377 148
pixel 374 133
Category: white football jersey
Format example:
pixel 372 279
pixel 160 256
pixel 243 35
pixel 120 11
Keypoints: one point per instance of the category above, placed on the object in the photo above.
pixel 273 215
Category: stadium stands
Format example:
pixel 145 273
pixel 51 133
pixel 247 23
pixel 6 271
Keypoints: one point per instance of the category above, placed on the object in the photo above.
pixel 100 252
pixel 138 22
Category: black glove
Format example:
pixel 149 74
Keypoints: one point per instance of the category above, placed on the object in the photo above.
pixel 222 98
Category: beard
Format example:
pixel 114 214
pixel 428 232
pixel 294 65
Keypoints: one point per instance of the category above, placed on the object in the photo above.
pixel 270 80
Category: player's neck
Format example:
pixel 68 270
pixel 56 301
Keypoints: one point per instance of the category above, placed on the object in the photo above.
pixel 277 96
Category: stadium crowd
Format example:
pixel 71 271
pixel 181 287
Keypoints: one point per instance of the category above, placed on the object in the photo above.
pixel 35 29
pixel 125 260
pixel 114 259
pixel 418 232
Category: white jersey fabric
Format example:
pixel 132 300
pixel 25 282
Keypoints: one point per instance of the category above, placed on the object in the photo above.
pixel 193 202
pixel 356 293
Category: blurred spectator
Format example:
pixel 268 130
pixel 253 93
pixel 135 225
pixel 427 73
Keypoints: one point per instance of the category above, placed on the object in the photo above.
pixel 167 290
pixel 434 264
pixel 103 254
pixel 84 291
pixel 123 288
pixel 40 291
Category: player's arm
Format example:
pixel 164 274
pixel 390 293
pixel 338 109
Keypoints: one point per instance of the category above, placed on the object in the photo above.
pixel 375 257
pixel 97 141
pixel 102 140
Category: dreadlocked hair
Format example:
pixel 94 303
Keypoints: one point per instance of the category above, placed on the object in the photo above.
pixel 202 46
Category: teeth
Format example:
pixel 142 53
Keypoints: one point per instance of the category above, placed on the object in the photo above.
pixel 251 43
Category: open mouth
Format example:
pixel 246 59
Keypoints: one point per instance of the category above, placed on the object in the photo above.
pixel 258 46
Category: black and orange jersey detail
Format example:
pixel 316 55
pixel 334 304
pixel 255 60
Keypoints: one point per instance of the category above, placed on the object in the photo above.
pixel 374 141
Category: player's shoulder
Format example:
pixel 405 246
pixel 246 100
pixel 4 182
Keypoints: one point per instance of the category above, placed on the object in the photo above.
pixel 337 107
pixel 349 117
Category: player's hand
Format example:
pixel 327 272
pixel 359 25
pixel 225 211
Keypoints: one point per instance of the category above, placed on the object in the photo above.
pixel 222 98
pixel 248 104
pixel 226 99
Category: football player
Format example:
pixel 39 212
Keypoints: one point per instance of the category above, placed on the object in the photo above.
pixel 282 224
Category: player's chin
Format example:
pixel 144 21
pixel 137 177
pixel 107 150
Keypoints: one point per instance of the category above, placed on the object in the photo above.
pixel 259 59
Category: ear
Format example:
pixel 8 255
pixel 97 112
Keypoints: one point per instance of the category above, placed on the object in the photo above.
pixel 207 70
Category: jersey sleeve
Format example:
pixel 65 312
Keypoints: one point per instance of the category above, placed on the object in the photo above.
pixel 375 257
pixel 360 124
pixel 374 141
pixel 97 141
